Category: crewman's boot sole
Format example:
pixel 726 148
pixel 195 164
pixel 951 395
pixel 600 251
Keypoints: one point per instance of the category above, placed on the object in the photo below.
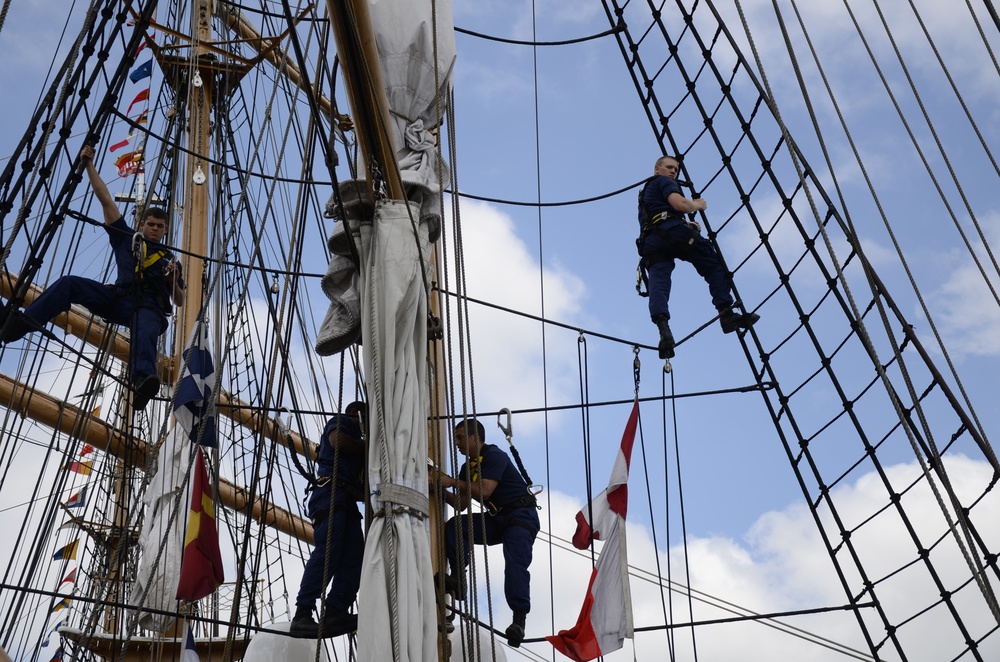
pixel 730 320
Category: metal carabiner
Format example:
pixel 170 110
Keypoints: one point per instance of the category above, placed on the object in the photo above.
pixel 137 243
pixel 508 429
pixel 284 429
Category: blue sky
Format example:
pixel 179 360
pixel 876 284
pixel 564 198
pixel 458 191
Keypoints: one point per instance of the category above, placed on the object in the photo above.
pixel 592 137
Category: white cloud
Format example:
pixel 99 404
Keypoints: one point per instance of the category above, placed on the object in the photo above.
pixel 507 349
pixel 780 565
pixel 965 309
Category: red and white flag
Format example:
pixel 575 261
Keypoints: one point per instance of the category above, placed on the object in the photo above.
pixel 606 618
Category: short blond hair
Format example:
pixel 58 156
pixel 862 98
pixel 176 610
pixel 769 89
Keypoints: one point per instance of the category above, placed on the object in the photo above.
pixel 664 158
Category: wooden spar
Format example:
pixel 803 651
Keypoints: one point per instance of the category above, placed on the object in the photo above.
pixel 352 28
pixel 47 410
pixel 247 416
pixel 282 62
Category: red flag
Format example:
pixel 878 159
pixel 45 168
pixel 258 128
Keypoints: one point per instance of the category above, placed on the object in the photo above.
pixel 82 468
pixel 129 163
pixel 87 448
pixel 142 96
pixel 201 567
pixel 606 617
pixel 71 578
pixel 121 143
pixel 78 500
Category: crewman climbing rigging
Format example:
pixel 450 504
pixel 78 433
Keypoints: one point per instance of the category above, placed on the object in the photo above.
pixel 665 236
pixel 511 519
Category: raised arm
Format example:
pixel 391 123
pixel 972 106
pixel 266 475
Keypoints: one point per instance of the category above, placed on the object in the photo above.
pixel 111 211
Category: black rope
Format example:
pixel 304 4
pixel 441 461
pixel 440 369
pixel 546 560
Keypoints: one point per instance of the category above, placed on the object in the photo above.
pixel 520 42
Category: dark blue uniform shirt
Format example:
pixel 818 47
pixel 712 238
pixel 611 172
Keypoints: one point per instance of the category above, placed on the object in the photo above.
pixel 494 464
pixel 654 197
pixel 157 290
pixel 350 477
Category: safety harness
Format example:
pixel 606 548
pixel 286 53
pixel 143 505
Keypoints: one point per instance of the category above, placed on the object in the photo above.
pixel 527 501
pixel 143 262
pixel 316 482
pixel 652 224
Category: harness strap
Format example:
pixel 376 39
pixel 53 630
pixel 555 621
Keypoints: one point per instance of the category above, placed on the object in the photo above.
pixel 528 501
pixel 148 260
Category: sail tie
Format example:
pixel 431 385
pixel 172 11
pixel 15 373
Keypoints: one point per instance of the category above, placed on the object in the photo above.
pixel 407 499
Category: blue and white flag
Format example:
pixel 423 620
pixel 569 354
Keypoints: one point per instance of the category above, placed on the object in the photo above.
pixel 51 632
pixel 194 408
pixel 190 652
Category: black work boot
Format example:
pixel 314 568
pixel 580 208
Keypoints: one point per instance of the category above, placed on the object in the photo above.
pixel 303 626
pixel 15 326
pixel 730 320
pixel 337 622
pixel 666 346
pixel 145 389
pixel 515 631
pixel 454 585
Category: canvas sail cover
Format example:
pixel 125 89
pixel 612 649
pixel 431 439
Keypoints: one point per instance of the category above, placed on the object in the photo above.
pixel 162 539
pixel 397 589
pixel 417 88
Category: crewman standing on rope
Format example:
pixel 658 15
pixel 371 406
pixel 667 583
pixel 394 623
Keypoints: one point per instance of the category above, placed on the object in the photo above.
pixel 489 477
pixel 337 531
pixel 148 279
pixel 667 235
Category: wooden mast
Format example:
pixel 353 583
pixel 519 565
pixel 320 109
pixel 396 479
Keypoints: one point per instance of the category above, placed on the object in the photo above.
pixel 358 53
pixel 194 222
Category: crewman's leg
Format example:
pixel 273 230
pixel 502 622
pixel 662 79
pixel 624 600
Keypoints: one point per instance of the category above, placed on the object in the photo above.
pixel 458 543
pixel 57 298
pixel 659 288
pixel 345 559
pixel 147 325
pixel 518 539
pixel 312 586
pixel 518 542
pixel 708 264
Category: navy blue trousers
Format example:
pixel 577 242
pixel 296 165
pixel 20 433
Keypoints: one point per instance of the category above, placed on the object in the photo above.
pixel 517 541
pixel 347 552
pixel 145 323
pixel 701 254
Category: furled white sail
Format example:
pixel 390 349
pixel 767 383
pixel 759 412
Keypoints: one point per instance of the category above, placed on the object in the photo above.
pixel 386 304
pixel 397 589
pixel 162 538
pixel 417 87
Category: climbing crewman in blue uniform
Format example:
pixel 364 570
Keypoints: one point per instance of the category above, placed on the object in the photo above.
pixel 666 235
pixel 148 279
pixel 333 508
pixel 511 519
